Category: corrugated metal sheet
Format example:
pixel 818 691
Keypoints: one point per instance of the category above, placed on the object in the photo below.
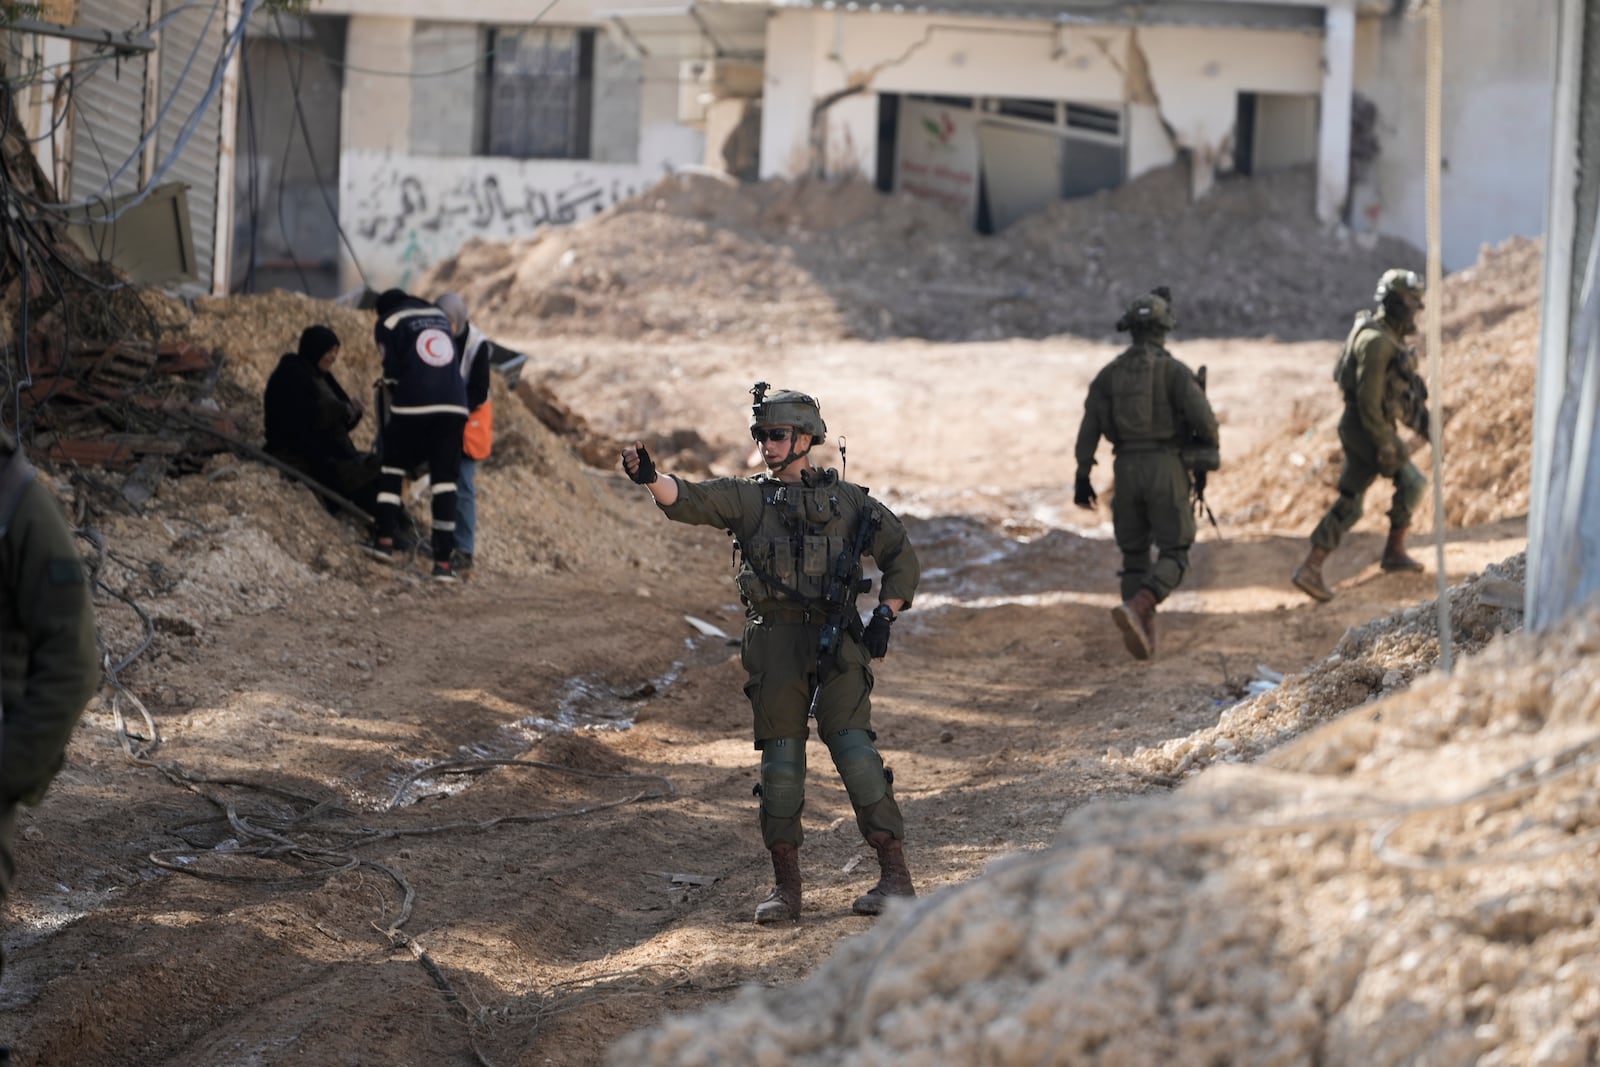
pixel 194 30
pixel 1227 13
pixel 108 104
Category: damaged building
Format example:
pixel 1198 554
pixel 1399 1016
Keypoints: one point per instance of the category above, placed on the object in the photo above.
pixel 995 107
pixel 369 139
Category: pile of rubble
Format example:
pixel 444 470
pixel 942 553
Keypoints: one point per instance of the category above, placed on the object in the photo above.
pixel 1409 885
pixel 785 262
pixel 1371 661
pixel 238 538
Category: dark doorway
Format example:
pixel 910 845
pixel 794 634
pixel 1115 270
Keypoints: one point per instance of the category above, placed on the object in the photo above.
pixel 1244 135
pixel 888 130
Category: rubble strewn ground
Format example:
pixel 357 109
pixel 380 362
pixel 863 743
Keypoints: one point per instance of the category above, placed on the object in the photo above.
pixel 1265 912
pixel 1369 662
pixel 1409 885
pixel 786 263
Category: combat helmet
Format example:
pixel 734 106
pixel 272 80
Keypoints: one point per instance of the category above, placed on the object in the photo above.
pixel 1405 286
pixel 786 407
pixel 1151 313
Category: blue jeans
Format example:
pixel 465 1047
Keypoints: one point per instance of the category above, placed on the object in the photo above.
pixel 467 506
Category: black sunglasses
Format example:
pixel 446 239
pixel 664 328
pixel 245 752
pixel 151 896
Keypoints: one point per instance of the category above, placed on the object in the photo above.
pixel 777 433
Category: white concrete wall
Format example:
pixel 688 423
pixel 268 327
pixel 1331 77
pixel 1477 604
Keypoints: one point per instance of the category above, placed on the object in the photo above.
pixel 618 90
pixel 1198 75
pixel 1194 78
pixel 1499 62
pixel 405 213
pixel 445 113
pixel 377 109
pixel 794 60
pixel 407 204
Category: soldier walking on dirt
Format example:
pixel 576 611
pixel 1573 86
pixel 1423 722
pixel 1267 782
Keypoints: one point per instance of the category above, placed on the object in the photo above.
pixel 800 532
pixel 1376 373
pixel 1155 414
pixel 48 663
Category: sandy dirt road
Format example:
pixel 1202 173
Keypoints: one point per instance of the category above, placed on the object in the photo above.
pixel 610 877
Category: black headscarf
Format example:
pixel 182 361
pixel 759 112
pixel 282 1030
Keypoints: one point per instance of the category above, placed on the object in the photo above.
pixel 316 342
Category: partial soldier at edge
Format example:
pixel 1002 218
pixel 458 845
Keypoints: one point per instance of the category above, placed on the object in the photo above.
pixel 1163 433
pixel 49 665
pixel 800 532
pixel 1377 374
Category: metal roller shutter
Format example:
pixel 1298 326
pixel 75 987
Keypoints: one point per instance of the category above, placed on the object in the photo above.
pixel 107 105
pixel 195 30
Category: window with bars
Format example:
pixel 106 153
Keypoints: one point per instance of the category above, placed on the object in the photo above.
pixel 540 93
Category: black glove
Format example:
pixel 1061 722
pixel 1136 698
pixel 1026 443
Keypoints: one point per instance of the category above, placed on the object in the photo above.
pixel 645 472
pixel 875 639
pixel 1083 493
pixel 1199 485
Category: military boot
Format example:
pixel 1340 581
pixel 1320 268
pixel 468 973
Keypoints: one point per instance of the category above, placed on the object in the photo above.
pixel 1308 576
pixel 894 879
pixel 1394 553
pixel 783 903
pixel 1136 618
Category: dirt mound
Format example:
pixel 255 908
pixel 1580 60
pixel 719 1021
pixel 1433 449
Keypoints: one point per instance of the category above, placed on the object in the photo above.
pixel 1371 661
pixel 1408 885
pixel 1491 349
pixel 784 262
pixel 240 539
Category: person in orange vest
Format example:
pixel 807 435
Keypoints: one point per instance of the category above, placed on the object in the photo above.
pixel 478 438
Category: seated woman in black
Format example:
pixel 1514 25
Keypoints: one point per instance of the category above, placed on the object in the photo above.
pixel 309 417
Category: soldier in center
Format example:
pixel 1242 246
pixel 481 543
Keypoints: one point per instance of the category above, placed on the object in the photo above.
pixel 800 532
pixel 1154 412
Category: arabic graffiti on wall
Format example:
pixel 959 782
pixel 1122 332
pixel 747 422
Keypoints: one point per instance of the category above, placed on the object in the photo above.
pixel 403 214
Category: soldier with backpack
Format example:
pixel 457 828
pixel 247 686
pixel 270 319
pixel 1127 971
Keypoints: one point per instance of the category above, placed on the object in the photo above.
pixel 1377 375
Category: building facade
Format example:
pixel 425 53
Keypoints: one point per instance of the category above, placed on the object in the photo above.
pixel 362 143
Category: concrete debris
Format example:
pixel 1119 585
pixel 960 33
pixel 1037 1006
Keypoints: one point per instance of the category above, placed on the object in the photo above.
pixel 1413 883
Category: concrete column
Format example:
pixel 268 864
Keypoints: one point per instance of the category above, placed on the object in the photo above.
pixel 1338 84
pixel 377 107
pixel 789 92
pixel 376 113
pixel 227 154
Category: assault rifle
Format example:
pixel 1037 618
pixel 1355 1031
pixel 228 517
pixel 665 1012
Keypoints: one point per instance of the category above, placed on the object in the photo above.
pixel 839 597
pixel 1406 394
pixel 1200 459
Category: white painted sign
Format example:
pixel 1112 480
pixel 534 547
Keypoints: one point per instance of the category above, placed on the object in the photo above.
pixel 936 155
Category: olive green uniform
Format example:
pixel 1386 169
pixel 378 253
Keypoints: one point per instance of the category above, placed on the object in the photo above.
pixel 1367 373
pixel 1150 407
pixel 789 535
pixel 48 661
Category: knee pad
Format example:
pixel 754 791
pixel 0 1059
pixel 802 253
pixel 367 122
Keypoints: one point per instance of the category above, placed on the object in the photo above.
pixel 1348 508
pixel 860 766
pixel 1411 483
pixel 783 776
pixel 1178 556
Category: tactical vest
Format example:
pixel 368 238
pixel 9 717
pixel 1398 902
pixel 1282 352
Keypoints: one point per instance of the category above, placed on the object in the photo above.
pixel 785 559
pixel 1344 368
pixel 1141 403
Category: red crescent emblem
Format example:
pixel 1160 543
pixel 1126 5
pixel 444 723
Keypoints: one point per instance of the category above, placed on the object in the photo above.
pixel 435 348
